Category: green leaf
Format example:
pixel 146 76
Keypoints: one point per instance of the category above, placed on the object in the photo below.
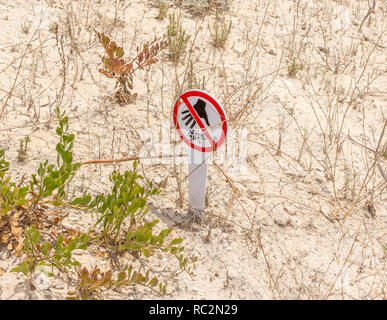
pixel 16 269
pixel 173 250
pixel 35 236
pixel 20 202
pixel 176 241
pixel 67 157
pixel 47 182
pixel 165 233
pixel 22 268
pixel 59 243
pixel 46 247
pixel 146 252
pixel 154 282
pixel 76 263
pixel 119 52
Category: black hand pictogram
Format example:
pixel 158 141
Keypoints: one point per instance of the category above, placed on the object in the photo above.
pixel 200 108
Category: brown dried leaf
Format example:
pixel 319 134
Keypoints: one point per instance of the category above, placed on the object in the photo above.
pixel 3 223
pixel 73 234
pixel 113 46
pixel 105 73
pixel 25 206
pixel 1 271
pixel 128 68
pixel 5 237
pixel 101 254
pixel 110 52
pixel 66 240
pixel 16 231
pixel 150 62
pixel 18 248
pixel 56 220
pixel 53 213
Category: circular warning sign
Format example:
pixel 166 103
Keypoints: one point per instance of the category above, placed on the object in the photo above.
pixel 200 120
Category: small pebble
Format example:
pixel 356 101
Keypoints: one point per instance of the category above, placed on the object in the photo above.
pixel 323 49
pixel 273 51
pixel 59 286
pixel 238 50
pixel 73 218
pixel 41 282
pixel 318 180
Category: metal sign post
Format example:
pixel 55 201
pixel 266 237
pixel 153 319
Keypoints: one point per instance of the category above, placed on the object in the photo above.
pixel 201 123
pixel 197 179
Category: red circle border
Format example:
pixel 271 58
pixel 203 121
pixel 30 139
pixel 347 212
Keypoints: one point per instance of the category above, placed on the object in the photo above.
pixel 217 106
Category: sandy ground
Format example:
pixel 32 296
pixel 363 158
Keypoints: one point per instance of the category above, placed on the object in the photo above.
pixel 296 202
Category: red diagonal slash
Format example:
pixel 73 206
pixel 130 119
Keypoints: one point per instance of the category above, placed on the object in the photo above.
pixel 198 121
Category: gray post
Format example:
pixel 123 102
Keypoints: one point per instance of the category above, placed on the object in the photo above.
pixel 197 170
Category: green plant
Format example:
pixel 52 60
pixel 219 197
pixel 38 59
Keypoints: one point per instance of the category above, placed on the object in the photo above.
pixel 11 195
pixel 123 218
pixel 53 27
pixel 123 225
pixel 21 203
pixel 25 27
pixel 127 200
pixel 384 150
pixel 220 32
pixel 50 177
pixel 202 7
pixel 193 81
pixel 163 9
pixel 115 67
pixel 177 39
pixel 293 67
pixel 42 255
pixel 23 148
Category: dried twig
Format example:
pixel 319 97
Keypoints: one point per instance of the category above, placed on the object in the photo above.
pixel 132 159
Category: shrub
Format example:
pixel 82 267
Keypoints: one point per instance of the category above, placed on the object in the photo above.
pixel 115 67
pixel 177 39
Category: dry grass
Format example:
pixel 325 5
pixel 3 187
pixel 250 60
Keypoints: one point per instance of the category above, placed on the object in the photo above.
pixel 303 85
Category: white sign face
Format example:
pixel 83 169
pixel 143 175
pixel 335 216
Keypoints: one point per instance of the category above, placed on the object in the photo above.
pixel 200 120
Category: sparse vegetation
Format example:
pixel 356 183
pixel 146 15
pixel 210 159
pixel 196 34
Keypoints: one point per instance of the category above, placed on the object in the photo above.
pixel 293 67
pixel 177 39
pixel 194 81
pixel 93 197
pixel 22 152
pixel 203 7
pixel 220 32
pixel 25 27
pixel 115 67
pixel 122 225
pixel 163 9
